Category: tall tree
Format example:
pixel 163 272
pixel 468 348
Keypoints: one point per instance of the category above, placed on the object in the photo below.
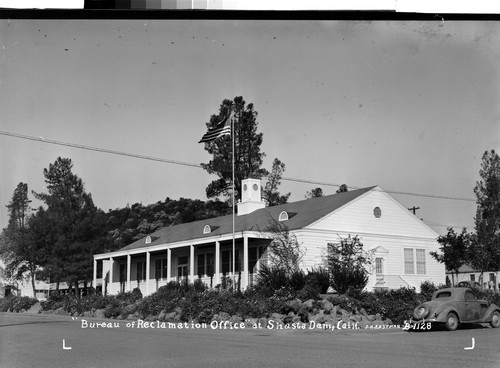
pixel 485 246
pixel 17 246
pixel 453 250
pixel 270 192
pixel 247 155
pixel 72 215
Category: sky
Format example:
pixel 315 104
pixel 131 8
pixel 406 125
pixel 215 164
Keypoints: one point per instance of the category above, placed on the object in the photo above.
pixel 410 106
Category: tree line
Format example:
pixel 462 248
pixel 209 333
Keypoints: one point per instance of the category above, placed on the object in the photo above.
pixel 480 248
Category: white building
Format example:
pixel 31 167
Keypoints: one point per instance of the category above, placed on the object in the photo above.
pixel 400 242
pixel 491 279
pixel 21 287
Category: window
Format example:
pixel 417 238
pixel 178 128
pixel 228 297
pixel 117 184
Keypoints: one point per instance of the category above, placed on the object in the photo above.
pixel 141 270
pixel 420 261
pixel 226 261
pixel 283 216
pixel 206 264
pixel 161 268
pixel 379 266
pixel 148 240
pixel 210 264
pixel 444 294
pixel 409 267
pixel 252 259
pixel 207 229
pixel 469 295
pixel 201 264
pixel 99 269
pixel 473 277
pixel 414 260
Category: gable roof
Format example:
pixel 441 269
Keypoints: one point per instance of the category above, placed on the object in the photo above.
pixel 305 212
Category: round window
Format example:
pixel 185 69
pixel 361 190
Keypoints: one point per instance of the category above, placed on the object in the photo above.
pixel 244 187
pixel 255 187
pixel 377 212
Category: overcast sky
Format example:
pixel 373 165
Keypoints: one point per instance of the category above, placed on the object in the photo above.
pixel 410 106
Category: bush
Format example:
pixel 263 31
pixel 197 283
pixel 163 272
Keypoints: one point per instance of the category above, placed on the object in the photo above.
pixel 7 304
pixel 14 303
pixel 130 297
pixel 487 294
pixel 427 288
pixel 270 279
pixel 320 277
pixel 396 305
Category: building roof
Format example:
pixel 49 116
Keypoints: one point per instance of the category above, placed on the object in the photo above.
pixel 301 214
pixel 468 269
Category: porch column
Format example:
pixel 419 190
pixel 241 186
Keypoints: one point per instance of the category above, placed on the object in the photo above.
pixel 217 263
pixel 169 265
pixel 111 266
pixel 129 262
pixel 244 283
pixel 94 280
pixel 191 263
pixel 148 269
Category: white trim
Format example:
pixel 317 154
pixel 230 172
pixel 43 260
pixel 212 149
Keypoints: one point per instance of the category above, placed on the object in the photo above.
pixel 181 244
pixel 283 216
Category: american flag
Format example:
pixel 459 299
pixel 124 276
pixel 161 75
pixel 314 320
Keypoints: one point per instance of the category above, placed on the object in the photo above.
pixel 217 131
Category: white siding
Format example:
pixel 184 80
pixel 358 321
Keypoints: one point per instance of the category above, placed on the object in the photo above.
pixel 358 218
pixel 395 230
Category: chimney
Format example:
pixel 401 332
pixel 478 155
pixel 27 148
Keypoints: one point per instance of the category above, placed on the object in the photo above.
pixel 251 199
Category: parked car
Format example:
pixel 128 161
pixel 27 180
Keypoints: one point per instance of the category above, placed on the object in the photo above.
pixel 454 306
pixel 470 284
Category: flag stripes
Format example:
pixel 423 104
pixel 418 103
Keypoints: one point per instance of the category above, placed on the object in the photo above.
pixel 217 131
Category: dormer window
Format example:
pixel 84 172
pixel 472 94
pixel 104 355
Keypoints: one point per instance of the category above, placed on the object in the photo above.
pixel 283 216
pixel 148 240
pixel 207 229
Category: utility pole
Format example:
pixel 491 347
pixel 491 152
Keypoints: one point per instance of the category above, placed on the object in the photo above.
pixel 413 209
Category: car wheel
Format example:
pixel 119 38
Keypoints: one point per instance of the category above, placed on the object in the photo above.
pixel 451 323
pixel 495 320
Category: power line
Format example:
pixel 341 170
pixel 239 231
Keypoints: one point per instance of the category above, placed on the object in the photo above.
pixel 97 149
pixel 198 166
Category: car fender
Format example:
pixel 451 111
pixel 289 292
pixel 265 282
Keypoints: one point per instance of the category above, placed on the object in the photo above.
pixel 489 312
pixel 441 314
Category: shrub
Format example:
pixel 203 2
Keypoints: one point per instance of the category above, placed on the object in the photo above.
pixel 297 280
pixel 310 291
pixel 7 304
pixel 487 294
pixel 347 263
pixel 396 304
pixel 427 288
pixel 270 279
pixel 130 297
pixel 14 303
pixel 320 277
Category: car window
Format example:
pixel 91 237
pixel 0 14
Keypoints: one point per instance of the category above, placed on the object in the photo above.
pixel 469 295
pixel 443 294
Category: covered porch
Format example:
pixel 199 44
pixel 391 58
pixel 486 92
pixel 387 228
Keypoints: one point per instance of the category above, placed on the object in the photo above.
pixel 211 261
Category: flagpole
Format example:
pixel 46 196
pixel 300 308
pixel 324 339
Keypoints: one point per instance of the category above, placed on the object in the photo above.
pixel 232 159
